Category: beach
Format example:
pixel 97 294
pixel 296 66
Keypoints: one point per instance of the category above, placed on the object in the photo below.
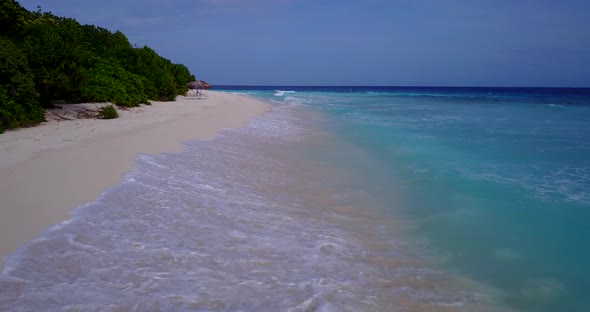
pixel 272 216
pixel 336 166
pixel 372 200
pixel 48 170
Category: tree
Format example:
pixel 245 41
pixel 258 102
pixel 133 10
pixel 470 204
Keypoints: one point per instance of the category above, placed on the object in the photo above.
pixel 18 99
pixel 13 18
pixel 45 58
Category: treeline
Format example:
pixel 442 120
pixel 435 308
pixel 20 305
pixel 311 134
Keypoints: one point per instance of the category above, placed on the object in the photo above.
pixel 45 58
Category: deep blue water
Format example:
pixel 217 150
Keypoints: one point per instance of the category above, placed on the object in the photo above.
pixel 496 179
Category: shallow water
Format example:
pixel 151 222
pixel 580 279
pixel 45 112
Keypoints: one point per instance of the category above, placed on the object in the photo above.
pixel 494 180
pixel 264 218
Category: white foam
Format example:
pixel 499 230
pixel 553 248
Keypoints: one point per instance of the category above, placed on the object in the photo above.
pixel 293 101
pixel 282 93
pixel 225 225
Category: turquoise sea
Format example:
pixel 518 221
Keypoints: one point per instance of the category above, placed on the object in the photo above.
pixel 497 180
pixel 339 199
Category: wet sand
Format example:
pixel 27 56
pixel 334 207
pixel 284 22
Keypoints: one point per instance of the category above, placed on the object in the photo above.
pixel 263 218
pixel 48 170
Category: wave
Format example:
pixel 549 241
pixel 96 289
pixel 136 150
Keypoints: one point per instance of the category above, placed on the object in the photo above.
pixel 293 101
pixel 229 224
pixel 282 93
pixel 564 185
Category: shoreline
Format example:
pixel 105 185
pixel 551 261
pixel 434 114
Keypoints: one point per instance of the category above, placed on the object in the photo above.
pixel 237 210
pixel 48 170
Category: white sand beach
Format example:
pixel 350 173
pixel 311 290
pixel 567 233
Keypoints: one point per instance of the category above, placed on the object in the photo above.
pixel 48 170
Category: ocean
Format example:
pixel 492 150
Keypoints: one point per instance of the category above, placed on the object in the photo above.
pixel 339 199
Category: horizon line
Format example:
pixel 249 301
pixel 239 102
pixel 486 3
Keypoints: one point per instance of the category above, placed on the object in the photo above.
pixel 394 86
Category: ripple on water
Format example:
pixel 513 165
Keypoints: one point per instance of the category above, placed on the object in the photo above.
pixel 239 223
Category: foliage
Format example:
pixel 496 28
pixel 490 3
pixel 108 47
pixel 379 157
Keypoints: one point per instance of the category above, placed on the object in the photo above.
pixel 111 83
pixel 161 82
pixel 13 18
pixel 182 75
pixel 108 112
pixel 57 53
pixel 59 59
pixel 18 99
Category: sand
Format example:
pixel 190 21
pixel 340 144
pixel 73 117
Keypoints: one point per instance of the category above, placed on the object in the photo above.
pixel 48 170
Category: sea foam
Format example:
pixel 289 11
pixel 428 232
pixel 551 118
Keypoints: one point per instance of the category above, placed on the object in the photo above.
pixel 283 93
pixel 245 222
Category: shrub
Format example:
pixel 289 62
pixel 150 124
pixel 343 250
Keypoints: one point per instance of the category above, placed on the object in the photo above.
pixel 108 112
pixel 111 83
pixel 161 82
pixel 56 52
pixel 12 18
pixel 19 106
pixel 56 58
pixel 182 76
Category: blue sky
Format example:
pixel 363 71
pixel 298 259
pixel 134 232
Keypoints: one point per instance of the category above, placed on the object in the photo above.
pixel 354 42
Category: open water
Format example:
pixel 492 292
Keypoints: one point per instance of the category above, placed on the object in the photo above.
pixel 340 199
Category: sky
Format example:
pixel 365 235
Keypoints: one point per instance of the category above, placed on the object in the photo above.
pixel 524 43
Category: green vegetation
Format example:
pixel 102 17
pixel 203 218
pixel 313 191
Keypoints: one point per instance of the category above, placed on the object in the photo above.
pixel 108 112
pixel 18 99
pixel 111 83
pixel 45 58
